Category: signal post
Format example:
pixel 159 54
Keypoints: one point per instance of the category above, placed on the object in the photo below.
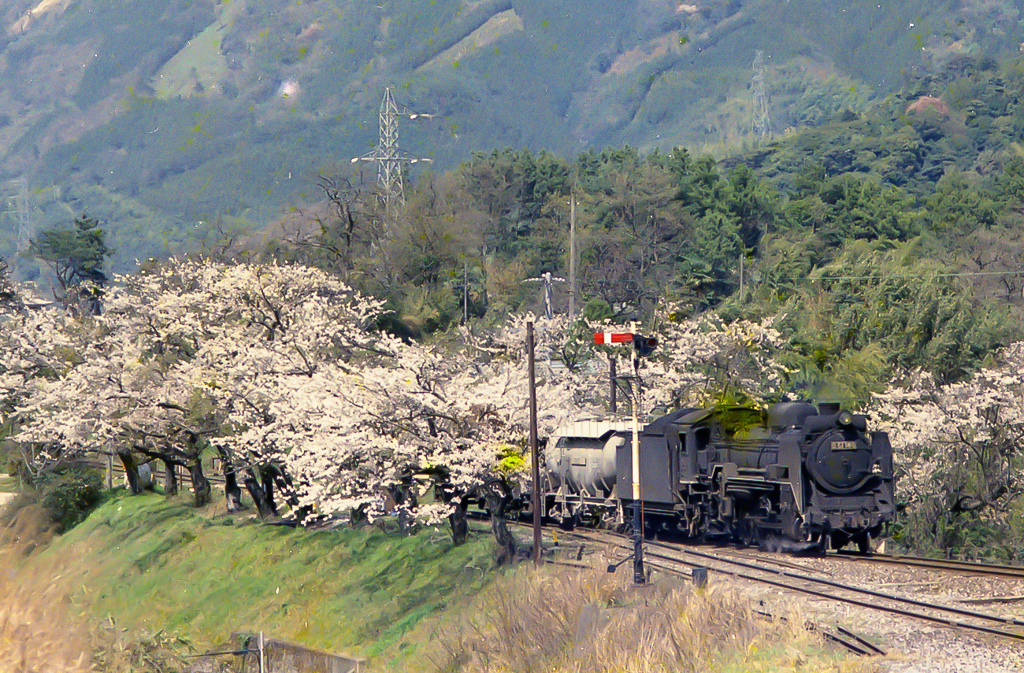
pixel 642 347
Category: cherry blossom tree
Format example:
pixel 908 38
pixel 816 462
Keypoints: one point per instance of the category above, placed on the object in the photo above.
pixel 279 370
pixel 222 333
pixel 959 448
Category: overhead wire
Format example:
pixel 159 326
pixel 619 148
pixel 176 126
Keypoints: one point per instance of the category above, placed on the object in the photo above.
pixel 958 274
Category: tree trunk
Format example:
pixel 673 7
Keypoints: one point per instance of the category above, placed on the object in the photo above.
pixel 200 484
pixel 267 480
pixel 357 517
pixel 259 496
pixel 404 497
pixel 131 471
pixel 286 488
pixel 170 479
pixel 457 521
pixel 232 491
pixel 498 498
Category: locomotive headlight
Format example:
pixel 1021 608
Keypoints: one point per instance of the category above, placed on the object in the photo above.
pixel 845 418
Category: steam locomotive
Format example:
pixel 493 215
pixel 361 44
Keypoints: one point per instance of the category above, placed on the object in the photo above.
pixel 811 475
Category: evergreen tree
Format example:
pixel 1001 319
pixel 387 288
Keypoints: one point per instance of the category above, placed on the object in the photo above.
pixel 75 254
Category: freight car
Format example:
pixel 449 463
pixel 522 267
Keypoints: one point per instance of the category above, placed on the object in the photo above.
pixel 812 475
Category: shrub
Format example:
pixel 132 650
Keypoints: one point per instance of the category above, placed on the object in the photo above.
pixel 69 495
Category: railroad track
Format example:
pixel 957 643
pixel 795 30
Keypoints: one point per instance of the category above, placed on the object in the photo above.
pixel 836 634
pixel 670 557
pixel 1013 572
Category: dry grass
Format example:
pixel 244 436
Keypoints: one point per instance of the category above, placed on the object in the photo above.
pixel 569 622
pixel 38 629
pixel 42 630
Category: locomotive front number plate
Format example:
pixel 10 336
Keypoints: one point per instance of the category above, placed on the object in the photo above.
pixel 843 445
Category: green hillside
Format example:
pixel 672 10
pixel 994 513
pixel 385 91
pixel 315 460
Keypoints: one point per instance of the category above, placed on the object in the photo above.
pixel 202 576
pixel 144 582
pixel 173 121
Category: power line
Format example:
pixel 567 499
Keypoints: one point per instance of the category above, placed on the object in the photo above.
pixel 959 274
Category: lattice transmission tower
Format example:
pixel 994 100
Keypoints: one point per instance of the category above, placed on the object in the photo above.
pixel 762 125
pixel 18 209
pixel 387 155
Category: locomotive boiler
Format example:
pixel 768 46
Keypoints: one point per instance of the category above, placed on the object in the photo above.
pixel 809 474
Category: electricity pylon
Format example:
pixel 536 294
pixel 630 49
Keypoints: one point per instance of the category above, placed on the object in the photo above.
pixel 18 206
pixel 388 157
pixel 762 124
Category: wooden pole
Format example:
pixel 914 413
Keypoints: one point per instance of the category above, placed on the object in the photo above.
pixel 534 452
pixel 572 257
pixel 741 275
pixel 611 366
pixel 465 293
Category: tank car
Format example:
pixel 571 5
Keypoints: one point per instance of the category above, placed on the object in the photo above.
pixel 581 468
pixel 812 475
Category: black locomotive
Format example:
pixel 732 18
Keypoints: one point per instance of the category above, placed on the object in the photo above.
pixel 812 475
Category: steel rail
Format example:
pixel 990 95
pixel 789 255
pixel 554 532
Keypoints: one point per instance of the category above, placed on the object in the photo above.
pixel 946 621
pixel 843 637
pixel 939 564
pixel 1009 621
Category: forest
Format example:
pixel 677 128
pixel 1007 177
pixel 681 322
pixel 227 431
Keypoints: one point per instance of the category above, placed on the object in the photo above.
pixel 167 120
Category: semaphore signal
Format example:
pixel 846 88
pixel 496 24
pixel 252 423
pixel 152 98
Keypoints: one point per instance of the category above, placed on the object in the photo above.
pixel 643 345
pixel 606 338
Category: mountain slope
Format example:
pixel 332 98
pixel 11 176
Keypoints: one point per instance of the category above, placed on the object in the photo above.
pixel 169 119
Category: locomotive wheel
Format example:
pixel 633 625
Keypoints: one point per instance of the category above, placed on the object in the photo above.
pixel 863 543
pixel 749 533
pixel 694 528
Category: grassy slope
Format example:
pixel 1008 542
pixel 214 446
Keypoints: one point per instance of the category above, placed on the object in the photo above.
pixel 155 566
pixel 158 564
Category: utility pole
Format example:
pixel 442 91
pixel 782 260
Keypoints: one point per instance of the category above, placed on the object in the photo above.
pixel 18 208
pixel 465 292
pixel 742 255
pixel 547 279
pixel 572 257
pixel 762 125
pixel 387 155
pixel 612 405
pixel 534 452
pixel 24 222
pixel 638 523
pixel 463 287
